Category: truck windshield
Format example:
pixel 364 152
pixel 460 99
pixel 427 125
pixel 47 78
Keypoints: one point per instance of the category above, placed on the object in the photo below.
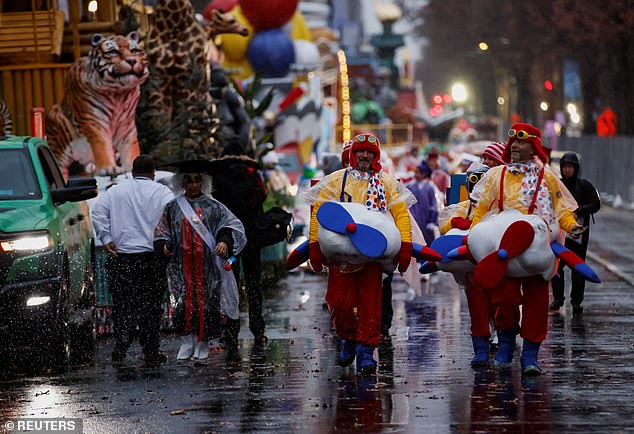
pixel 17 177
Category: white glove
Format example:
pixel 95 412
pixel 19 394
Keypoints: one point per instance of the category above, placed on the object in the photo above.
pixel 431 226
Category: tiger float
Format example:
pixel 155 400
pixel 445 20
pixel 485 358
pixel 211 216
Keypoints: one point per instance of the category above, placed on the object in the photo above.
pixel 100 99
pixel 6 122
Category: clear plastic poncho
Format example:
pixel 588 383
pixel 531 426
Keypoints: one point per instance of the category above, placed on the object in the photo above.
pixel 554 201
pixel 219 294
pixel 330 187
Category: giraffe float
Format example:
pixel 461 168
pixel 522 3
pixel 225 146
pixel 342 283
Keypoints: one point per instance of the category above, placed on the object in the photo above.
pixel 175 41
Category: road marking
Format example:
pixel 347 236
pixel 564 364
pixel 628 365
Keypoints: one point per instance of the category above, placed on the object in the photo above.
pixel 611 267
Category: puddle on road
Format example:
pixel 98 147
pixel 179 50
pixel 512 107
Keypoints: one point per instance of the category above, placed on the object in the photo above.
pixel 424 380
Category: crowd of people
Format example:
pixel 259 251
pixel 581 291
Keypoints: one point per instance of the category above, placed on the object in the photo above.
pixel 510 176
pixel 201 241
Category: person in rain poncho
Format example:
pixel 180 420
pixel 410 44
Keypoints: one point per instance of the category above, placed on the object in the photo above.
pixel 526 184
pixel 425 210
pixel 354 291
pixel 199 233
pixel 479 300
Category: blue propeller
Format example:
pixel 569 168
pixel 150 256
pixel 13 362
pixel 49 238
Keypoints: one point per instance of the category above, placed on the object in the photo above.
pixel 369 241
pixel 446 244
pixel 572 260
pixel 428 267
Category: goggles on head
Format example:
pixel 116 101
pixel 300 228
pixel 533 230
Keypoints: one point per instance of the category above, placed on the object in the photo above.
pixel 473 178
pixel 362 137
pixel 520 134
pixel 475 174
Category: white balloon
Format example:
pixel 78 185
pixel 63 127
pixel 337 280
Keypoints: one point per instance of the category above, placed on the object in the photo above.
pixel 306 53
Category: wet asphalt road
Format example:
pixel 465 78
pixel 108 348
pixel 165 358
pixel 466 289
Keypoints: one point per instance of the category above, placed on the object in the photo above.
pixel 424 384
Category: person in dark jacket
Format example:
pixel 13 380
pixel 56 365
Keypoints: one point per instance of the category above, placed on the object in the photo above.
pixel 589 203
pixel 239 184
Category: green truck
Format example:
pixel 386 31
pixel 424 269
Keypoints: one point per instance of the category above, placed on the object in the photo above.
pixel 47 258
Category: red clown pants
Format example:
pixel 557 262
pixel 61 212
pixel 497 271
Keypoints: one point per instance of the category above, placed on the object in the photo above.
pixel 532 293
pixel 354 300
pixel 480 307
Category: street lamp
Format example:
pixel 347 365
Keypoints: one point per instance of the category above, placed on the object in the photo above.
pixel 459 92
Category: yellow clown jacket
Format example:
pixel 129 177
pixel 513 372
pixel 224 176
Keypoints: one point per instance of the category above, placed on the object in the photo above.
pixel 397 197
pixel 460 209
pixel 556 202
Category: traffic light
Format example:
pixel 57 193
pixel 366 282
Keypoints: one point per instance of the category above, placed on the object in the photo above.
pixel 548 85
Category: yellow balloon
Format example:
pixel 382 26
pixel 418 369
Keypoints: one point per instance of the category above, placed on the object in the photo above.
pixel 299 29
pixel 235 46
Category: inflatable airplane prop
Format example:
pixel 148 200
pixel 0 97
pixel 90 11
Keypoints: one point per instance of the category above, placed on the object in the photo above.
pixel 349 232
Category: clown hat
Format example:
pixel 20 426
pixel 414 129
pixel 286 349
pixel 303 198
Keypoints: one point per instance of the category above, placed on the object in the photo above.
pixel 369 142
pixel 495 152
pixel 527 133
pixel 345 153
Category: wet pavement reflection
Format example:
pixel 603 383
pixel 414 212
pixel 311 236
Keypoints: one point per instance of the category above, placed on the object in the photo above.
pixel 424 382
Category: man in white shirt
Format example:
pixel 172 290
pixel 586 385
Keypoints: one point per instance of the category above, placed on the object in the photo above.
pixel 125 217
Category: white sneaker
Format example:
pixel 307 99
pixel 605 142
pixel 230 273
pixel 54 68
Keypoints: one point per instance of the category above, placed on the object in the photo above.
pixel 202 350
pixel 187 348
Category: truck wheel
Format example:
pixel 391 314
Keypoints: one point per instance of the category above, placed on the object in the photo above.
pixel 58 353
pixel 83 341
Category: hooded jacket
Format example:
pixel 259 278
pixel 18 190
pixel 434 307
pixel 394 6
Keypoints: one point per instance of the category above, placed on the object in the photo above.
pixel 583 191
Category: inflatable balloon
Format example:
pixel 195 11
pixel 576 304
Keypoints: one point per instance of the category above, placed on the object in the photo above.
pixel 268 14
pixel 443 245
pixel 493 237
pixel 306 53
pixel 513 244
pixel 299 28
pixel 419 252
pixel 271 53
pixel 351 233
pixel 215 5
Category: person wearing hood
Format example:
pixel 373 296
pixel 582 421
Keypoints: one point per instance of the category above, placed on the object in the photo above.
pixel 589 203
